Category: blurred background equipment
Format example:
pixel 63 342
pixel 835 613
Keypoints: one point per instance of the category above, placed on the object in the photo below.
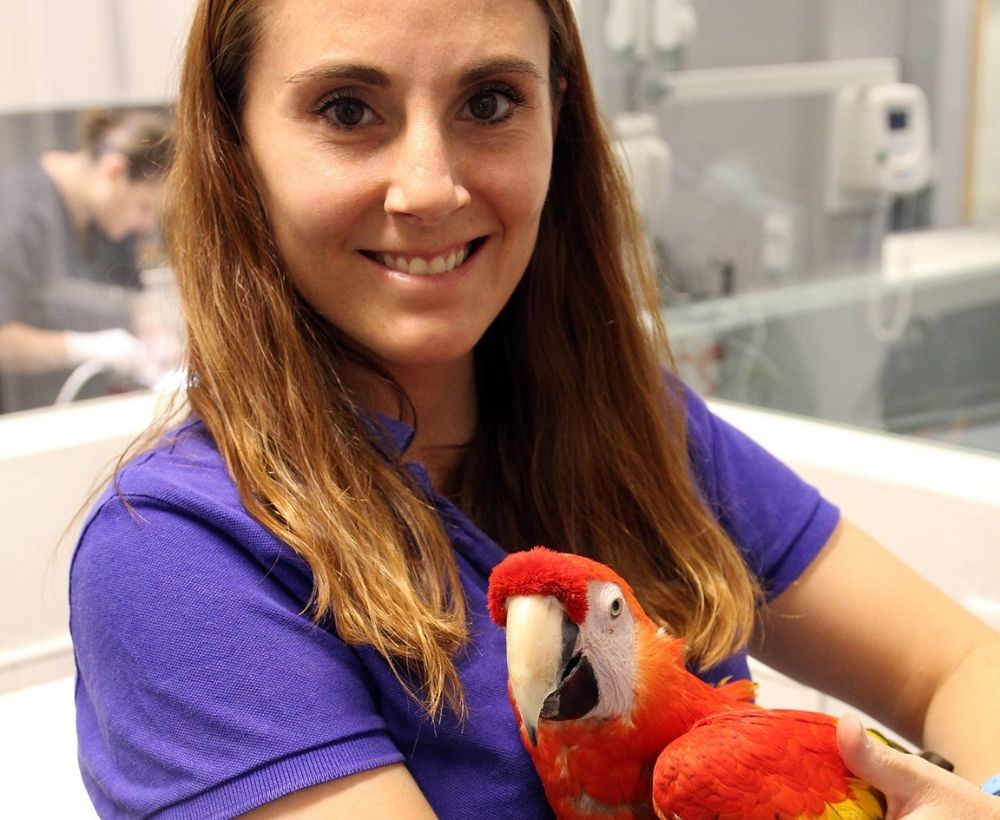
pixel 816 182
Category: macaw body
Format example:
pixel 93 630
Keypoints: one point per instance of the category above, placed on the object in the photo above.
pixel 605 767
pixel 760 764
pixel 618 728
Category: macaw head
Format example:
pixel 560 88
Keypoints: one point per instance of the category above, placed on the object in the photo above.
pixel 573 629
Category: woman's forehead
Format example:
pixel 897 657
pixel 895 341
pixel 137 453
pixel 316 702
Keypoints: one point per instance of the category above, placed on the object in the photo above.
pixel 401 37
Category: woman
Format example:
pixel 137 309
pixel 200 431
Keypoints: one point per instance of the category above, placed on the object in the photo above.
pixel 69 227
pixel 416 300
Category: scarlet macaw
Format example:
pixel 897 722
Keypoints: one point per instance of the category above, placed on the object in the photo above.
pixel 617 727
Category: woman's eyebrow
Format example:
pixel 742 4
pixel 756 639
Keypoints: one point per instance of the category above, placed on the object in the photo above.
pixel 369 75
pixel 478 72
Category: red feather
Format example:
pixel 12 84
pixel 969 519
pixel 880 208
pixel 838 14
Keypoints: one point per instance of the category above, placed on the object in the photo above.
pixel 759 764
pixel 541 571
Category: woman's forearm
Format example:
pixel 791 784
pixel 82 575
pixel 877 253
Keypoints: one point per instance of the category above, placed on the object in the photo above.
pixel 964 714
pixel 27 349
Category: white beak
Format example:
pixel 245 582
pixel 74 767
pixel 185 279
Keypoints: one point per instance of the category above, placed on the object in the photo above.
pixel 534 653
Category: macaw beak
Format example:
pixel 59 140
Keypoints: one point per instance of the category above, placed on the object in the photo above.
pixel 547 678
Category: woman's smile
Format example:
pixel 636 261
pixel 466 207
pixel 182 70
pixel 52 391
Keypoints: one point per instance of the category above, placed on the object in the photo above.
pixel 425 263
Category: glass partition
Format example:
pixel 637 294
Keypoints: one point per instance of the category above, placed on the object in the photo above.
pixel 911 355
pixel 818 182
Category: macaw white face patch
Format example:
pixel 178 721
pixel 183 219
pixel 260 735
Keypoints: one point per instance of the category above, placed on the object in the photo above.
pixel 607 637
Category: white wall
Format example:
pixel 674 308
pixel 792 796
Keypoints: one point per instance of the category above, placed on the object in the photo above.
pixel 63 54
pixel 50 461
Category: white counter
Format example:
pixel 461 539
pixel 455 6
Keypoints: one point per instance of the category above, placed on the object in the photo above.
pixel 51 460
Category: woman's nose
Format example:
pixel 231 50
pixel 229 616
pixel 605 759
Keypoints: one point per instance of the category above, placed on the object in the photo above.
pixel 423 182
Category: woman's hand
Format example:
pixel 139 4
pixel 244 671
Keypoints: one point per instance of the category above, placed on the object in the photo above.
pixel 914 788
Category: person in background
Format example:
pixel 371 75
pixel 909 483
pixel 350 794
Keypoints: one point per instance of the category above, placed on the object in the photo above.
pixel 423 332
pixel 70 225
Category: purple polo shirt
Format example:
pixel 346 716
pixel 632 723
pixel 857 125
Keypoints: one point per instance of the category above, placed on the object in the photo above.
pixel 203 692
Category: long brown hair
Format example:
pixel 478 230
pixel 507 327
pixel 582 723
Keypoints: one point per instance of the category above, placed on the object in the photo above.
pixel 580 444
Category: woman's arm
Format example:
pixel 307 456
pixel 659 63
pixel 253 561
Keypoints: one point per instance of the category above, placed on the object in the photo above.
pixel 27 349
pixel 862 626
pixel 388 791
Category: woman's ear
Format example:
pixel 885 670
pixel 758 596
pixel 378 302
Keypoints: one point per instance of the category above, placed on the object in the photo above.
pixel 113 166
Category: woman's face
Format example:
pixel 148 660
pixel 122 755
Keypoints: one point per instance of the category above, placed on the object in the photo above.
pixel 402 149
pixel 123 207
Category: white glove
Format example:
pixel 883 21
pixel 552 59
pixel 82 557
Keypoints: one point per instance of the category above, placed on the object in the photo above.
pixel 115 349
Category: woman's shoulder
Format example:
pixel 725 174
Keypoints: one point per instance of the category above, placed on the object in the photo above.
pixel 180 482
pixel 718 451
pixel 172 519
pixel 182 467
pixel 776 518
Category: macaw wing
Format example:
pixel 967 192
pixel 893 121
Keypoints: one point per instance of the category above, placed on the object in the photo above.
pixel 760 764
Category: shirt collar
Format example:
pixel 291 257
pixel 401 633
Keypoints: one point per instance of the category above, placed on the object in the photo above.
pixel 393 434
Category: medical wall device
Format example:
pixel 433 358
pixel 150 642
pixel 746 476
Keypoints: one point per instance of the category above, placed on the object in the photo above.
pixel 879 145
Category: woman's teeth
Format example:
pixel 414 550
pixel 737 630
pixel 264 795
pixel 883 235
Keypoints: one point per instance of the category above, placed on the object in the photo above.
pixel 418 266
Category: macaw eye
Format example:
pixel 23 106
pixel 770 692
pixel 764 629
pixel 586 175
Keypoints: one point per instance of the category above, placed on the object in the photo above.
pixel 617 605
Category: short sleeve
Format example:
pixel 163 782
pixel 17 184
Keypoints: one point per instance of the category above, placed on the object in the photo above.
pixel 202 689
pixel 779 521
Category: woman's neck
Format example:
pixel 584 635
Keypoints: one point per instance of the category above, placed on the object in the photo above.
pixel 444 400
pixel 70 173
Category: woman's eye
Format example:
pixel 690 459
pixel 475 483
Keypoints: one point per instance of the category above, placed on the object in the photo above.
pixel 346 112
pixel 488 106
pixel 492 106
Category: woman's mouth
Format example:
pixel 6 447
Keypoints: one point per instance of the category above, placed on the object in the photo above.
pixel 426 265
